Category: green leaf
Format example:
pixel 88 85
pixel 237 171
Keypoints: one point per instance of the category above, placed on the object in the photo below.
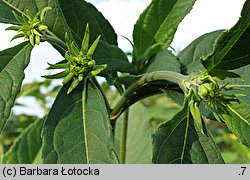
pixel 179 141
pixel 138 150
pixel 163 61
pixel 6 15
pixel 237 118
pixel 13 61
pixel 38 158
pixel 77 129
pixel 66 16
pixel 175 97
pixel 223 74
pixel 78 13
pixel 113 56
pixel 26 148
pixel 19 6
pixel 243 84
pixel 200 48
pixel 232 49
pixel 158 23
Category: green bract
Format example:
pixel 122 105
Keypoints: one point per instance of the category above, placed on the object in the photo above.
pixel 31 27
pixel 204 87
pixel 80 63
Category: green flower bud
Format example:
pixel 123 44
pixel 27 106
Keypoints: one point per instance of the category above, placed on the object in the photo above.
pixel 91 63
pixel 203 90
pixel 31 27
pixel 42 27
pixel 80 63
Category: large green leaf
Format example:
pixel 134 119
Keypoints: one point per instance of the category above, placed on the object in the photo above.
pixel 237 118
pixel 6 15
pixel 232 49
pixel 78 13
pixel 179 141
pixel 141 123
pixel 13 61
pixel 201 47
pixel 242 84
pixel 158 23
pixel 163 61
pixel 114 57
pixel 77 129
pixel 138 148
pixel 65 16
pixel 26 149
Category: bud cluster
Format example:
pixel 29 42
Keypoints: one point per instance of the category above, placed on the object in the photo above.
pixel 31 27
pixel 79 62
pixel 206 88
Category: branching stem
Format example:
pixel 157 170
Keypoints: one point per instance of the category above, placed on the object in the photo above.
pixel 145 79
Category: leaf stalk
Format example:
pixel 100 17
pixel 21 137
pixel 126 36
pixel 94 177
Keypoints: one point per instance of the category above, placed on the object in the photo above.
pixel 145 79
pixel 56 41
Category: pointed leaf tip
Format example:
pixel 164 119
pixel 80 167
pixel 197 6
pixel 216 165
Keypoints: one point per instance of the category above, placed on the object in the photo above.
pixel 67 39
pixel 43 12
pixel 58 75
pixel 85 42
pixel 93 47
pixel 17 36
pixel 73 85
pixel 18 18
pixel 68 78
pixel 14 28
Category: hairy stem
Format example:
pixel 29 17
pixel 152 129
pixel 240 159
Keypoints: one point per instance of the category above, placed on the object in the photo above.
pixel 124 137
pixel 56 41
pixel 145 79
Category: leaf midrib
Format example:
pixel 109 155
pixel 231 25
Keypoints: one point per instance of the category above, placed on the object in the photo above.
pixel 84 97
pixel 185 138
pixel 201 144
pixel 237 58
pixel 235 112
pixel 169 137
pixel 163 22
pixel 229 48
pixel 13 7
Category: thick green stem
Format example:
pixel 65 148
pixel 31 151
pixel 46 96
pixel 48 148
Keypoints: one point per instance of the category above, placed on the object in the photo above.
pixel 56 41
pixel 145 79
pixel 124 137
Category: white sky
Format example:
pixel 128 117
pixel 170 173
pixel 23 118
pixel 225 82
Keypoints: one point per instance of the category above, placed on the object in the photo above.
pixel 206 16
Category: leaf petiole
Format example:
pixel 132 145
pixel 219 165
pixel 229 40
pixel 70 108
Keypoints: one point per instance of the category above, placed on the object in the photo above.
pixel 145 79
pixel 56 41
